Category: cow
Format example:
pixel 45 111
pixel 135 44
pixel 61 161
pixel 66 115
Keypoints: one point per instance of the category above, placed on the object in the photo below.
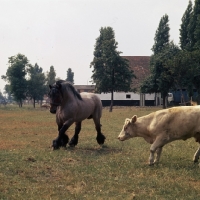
pixel 164 126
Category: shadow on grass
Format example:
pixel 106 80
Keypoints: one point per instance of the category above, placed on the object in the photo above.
pixel 104 149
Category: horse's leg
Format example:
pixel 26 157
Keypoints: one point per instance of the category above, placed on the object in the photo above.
pixel 74 141
pixel 62 138
pixel 58 141
pixel 100 137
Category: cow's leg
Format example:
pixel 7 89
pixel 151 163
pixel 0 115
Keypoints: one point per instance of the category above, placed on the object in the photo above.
pixel 62 138
pixel 151 157
pixel 157 146
pixel 74 141
pixel 196 155
pixel 100 137
pixel 158 153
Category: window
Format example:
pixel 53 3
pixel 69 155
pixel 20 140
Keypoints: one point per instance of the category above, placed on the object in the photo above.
pixel 128 96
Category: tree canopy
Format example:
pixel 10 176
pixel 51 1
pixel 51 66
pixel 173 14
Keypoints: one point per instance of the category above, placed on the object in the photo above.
pixel 70 76
pixel 51 76
pixel 111 72
pixel 185 41
pixel 36 83
pixel 194 27
pixel 25 80
pixel 161 38
pixel 160 77
pixel 16 76
pixel 172 67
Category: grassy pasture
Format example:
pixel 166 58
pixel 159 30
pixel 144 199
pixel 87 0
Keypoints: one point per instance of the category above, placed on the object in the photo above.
pixel 29 169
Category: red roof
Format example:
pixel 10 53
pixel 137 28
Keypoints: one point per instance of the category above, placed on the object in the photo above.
pixel 140 66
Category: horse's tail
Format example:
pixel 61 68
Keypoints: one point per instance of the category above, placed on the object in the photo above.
pixel 99 106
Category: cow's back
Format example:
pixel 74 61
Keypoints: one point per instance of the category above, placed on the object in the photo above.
pixel 177 122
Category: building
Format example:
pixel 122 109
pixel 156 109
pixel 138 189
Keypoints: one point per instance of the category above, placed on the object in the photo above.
pixel 85 88
pixel 140 66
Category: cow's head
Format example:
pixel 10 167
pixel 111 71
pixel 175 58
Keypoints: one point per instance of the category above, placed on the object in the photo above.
pixel 128 129
pixel 55 97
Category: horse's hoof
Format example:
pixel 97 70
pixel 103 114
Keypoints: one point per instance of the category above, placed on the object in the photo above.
pixel 55 146
pixel 73 142
pixel 63 144
pixel 64 140
pixel 100 139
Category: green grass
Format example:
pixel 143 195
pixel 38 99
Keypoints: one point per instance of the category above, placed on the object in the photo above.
pixel 29 169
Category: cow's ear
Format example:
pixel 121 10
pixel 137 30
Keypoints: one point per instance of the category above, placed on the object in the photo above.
pixel 134 119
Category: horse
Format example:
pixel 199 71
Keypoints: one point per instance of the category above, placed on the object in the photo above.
pixel 73 107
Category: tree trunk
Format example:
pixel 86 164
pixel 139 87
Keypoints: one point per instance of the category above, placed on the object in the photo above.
pixel 111 103
pixel 113 83
pixel 41 103
pixel 155 100
pixel 164 101
pixel 20 103
pixel 33 102
pixel 182 98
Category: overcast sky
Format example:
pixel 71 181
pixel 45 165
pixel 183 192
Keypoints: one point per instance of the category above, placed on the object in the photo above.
pixel 63 33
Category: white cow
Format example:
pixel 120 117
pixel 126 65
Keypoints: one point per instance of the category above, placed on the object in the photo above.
pixel 164 126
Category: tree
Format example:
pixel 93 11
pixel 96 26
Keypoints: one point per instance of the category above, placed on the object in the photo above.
pixel 184 30
pixel 162 77
pixel 190 58
pixel 186 70
pixel 111 72
pixel 1 95
pixel 70 76
pixel 15 76
pixel 193 61
pixel 51 76
pixel 197 34
pixel 194 26
pixel 161 38
pixel 8 92
pixel 159 79
pixel 36 83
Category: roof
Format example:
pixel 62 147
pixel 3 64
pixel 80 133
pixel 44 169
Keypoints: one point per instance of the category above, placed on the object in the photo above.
pixel 85 87
pixel 140 66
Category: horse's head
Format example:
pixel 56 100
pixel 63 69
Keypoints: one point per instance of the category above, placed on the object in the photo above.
pixel 55 97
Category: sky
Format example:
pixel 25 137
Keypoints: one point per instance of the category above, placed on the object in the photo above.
pixel 62 33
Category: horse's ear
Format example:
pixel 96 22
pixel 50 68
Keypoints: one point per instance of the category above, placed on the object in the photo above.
pixel 59 86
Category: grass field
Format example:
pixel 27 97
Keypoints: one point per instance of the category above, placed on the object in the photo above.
pixel 29 169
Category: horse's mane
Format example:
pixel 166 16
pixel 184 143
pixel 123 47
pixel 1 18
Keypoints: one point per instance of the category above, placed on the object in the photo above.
pixel 71 87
